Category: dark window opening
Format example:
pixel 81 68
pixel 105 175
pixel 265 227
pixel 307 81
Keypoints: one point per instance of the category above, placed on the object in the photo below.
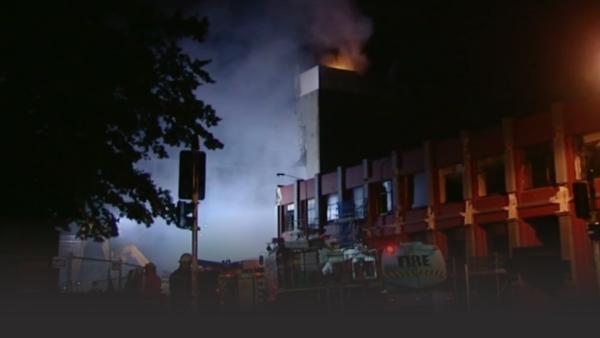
pixel 497 239
pixel 539 166
pixel 491 176
pixel 547 231
pixel 591 155
pixel 456 244
pixel 454 188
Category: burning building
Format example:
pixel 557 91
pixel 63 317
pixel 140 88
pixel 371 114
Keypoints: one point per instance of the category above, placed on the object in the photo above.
pixel 342 116
pixel 503 193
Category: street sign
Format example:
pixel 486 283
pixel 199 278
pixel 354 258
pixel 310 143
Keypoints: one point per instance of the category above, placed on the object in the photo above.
pixel 187 160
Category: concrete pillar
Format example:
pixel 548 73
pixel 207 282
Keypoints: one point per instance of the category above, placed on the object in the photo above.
pixel 509 156
pixel 511 184
pixel 470 242
pixel 367 173
pixel 297 204
pixel 562 180
pixel 341 183
pixel 430 177
pixel 566 243
pixel 560 155
pixel 318 202
pixel 429 172
pixel 468 167
pixel 367 169
pixel 396 197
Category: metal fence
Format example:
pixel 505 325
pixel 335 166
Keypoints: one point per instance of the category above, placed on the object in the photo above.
pixel 478 281
pixel 84 274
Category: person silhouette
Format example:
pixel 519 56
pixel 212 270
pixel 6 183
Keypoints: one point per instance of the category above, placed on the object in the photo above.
pixel 180 285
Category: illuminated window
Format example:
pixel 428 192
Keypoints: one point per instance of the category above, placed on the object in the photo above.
pixel 332 207
pixel 417 190
pixel 289 217
pixel 359 202
pixel 311 213
pixel 385 197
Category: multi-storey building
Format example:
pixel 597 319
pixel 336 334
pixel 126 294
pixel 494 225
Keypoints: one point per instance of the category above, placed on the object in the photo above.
pixel 497 191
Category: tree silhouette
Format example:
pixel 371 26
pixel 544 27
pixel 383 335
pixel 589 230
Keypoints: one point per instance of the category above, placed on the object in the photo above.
pixel 88 89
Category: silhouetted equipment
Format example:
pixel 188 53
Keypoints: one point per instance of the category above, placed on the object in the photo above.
pixel 187 159
pixel 581 198
pixel 593 231
pixel 539 266
pixel 186 215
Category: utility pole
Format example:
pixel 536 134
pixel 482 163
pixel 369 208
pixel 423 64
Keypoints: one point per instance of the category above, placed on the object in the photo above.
pixel 195 202
pixel 192 173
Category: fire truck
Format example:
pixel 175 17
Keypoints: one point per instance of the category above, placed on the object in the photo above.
pixel 241 286
pixel 311 274
pixel 314 275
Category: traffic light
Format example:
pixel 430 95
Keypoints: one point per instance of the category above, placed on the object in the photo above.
pixel 186 215
pixel 188 159
pixel 581 198
pixel 593 231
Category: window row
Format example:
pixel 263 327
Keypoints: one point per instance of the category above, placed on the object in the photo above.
pixel 535 168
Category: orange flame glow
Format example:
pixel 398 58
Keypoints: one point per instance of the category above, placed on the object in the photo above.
pixel 338 61
pixel 347 57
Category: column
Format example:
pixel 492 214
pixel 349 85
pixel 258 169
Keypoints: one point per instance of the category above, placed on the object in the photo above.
pixel 511 184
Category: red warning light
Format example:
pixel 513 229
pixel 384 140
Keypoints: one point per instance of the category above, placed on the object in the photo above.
pixel 390 249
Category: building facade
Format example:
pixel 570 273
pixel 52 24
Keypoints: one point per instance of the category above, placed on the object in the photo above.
pixel 503 191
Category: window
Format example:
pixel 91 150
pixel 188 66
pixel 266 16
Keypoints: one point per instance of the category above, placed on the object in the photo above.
pixel 490 176
pixel 311 213
pixel 385 197
pixel 289 217
pixel 359 202
pixel 417 189
pixel 332 207
pixel 451 184
pixel 538 166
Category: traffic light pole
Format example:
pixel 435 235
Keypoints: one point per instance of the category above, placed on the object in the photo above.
pixel 593 219
pixel 195 202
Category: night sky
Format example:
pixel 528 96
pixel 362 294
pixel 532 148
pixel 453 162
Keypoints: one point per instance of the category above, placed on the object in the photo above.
pixel 451 66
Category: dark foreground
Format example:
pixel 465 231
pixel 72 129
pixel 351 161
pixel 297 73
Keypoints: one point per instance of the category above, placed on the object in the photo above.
pixel 109 316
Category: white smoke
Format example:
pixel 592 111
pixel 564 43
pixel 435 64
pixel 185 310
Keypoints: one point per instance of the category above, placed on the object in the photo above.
pixel 340 31
pixel 256 49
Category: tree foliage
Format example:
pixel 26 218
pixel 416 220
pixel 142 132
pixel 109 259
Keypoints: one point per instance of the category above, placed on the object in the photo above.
pixel 88 89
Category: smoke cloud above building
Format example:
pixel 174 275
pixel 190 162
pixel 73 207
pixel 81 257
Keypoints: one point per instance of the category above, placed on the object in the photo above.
pixel 257 50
